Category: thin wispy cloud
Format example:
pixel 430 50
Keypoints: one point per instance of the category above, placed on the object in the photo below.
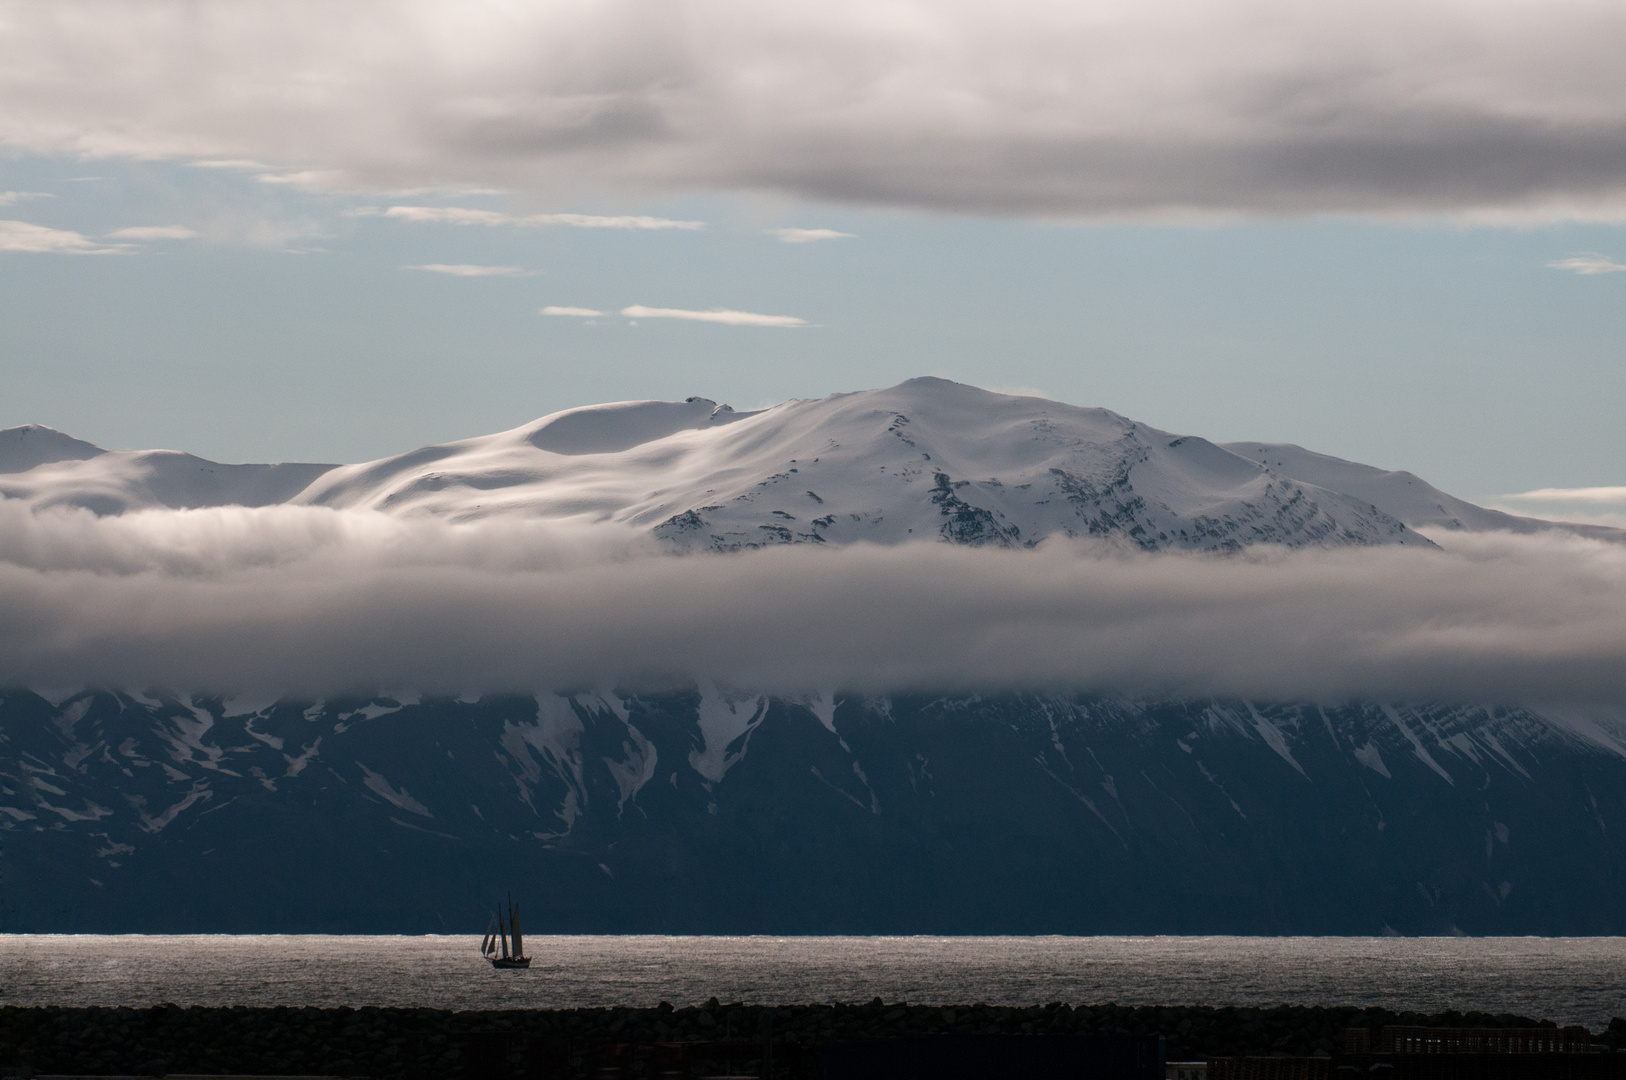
pixel 808 236
pixel 1589 264
pixel 581 312
pixel 471 270
pixel 154 232
pixel 21 236
pixel 715 315
pixel 239 164
pixel 1150 109
pixel 1584 505
pixel 457 215
pixel 252 229
pixel 11 198
pixel 316 601
pixel 305 180
pixel 1581 494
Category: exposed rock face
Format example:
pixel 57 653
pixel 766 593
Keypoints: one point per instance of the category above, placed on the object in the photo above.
pixel 708 812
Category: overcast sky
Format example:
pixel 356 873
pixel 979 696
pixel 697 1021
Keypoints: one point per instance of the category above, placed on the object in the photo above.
pixel 271 231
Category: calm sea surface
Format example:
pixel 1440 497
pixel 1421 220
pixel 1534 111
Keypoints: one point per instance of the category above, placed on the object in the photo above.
pixel 1569 980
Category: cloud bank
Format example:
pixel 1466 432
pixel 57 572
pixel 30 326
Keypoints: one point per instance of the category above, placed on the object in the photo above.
pixel 1112 108
pixel 306 600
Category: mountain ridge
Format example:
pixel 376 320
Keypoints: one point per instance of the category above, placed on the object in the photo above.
pixel 926 458
pixel 703 811
pixel 706 809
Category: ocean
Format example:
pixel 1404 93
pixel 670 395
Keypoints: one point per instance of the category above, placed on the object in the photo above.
pixel 1568 980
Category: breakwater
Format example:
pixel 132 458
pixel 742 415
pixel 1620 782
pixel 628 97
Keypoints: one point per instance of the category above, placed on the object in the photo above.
pixel 537 1043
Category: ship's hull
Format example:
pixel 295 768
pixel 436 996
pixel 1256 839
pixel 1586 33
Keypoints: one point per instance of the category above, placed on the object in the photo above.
pixel 510 961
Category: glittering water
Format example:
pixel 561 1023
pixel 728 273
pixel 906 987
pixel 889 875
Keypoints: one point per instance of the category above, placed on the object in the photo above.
pixel 1569 980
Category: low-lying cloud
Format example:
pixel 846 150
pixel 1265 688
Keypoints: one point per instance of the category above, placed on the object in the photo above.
pixel 304 600
pixel 1113 108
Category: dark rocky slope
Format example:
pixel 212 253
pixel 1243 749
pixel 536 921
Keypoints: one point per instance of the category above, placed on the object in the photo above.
pixel 698 812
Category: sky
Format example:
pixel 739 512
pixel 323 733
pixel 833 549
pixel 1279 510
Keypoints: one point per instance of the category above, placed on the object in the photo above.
pixel 288 231
pixel 291 230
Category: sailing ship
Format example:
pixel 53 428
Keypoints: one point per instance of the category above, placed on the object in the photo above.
pixel 494 946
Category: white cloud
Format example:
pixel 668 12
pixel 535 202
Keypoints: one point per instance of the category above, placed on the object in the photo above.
pixel 807 236
pixel 470 270
pixel 10 198
pixel 1589 264
pixel 449 215
pixel 240 164
pixel 305 180
pixel 457 215
pixel 586 313
pixel 37 239
pixel 154 232
pixel 716 315
pixel 620 221
pixel 304 599
pixel 1023 391
pixel 1582 494
pixel 1584 505
pixel 1113 108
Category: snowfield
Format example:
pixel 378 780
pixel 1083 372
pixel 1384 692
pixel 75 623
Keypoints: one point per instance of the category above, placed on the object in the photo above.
pixel 928 459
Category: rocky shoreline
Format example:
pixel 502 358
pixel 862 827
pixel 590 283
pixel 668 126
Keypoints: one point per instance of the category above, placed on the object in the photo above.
pixel 537 1043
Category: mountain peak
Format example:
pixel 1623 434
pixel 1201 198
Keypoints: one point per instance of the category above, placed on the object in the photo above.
pixel 926 459
pixel 23 448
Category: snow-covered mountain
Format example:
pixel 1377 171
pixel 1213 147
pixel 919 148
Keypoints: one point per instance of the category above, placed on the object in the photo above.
pixel 48 468
pixel 929 458
pixel 926 459
pixel 1401 494
pixel 708 810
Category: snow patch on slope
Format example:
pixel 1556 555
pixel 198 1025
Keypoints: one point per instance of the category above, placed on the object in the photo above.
pixel 725 722
pixel 400 798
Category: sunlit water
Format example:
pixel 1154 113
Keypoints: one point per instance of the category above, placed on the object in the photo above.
pixel 1569 980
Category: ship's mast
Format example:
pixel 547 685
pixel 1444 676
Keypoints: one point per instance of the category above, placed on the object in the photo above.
pixel 513 922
